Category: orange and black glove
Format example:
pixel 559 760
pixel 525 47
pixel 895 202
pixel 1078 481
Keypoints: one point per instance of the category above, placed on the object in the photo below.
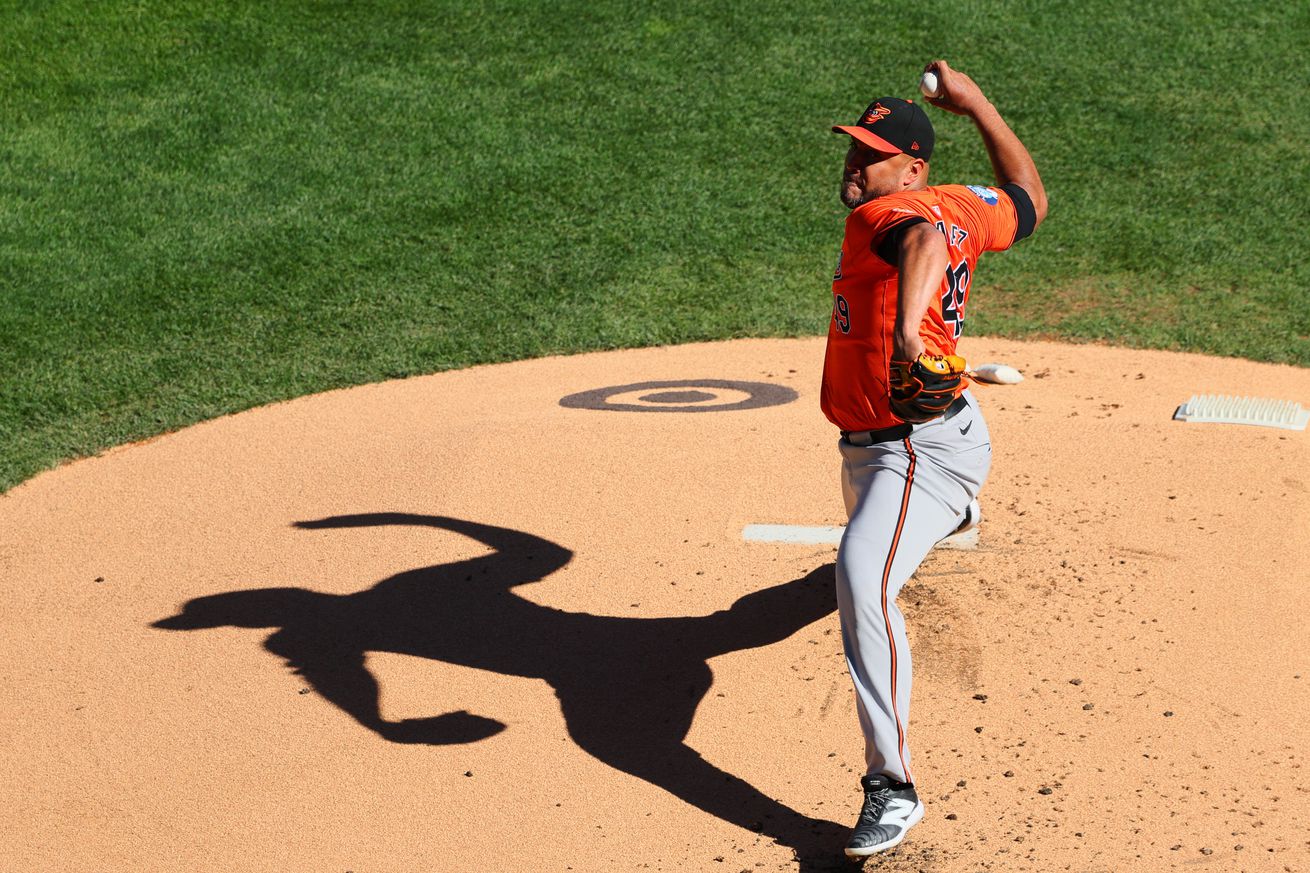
pixel 924 388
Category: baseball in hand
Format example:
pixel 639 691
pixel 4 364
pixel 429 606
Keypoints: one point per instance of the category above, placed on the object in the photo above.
pixel 928 84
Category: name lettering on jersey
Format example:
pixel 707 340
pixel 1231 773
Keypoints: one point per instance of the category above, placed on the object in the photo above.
pixel 836 274
pixel 986 195
pixel 956 236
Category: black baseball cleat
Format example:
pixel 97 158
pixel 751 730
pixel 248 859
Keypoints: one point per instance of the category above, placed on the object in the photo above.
pixel 890 809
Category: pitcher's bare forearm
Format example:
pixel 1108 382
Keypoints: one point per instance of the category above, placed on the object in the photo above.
pixel 1011 163
pixel 923 262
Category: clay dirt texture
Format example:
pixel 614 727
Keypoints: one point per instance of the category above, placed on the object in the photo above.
pixel 448 624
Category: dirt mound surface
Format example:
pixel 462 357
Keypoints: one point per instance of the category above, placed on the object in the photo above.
pixel 505 619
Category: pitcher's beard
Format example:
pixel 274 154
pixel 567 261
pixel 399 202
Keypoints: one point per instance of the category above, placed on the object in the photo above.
pixel 852 196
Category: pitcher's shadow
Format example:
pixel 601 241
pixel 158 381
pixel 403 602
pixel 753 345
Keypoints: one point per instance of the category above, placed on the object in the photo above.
pixel 628 687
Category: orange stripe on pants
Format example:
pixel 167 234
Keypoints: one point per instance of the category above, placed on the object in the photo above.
pixel 886 578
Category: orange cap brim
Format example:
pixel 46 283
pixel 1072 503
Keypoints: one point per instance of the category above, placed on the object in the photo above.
pixel 877 143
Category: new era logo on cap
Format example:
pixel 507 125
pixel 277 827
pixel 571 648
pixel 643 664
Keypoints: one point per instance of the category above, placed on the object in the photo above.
pixel 902 128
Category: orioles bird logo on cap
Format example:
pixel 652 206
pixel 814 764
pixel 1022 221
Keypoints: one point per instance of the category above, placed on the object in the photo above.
pixel 877 113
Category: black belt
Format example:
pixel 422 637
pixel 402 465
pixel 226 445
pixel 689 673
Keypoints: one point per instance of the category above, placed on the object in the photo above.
pixel 896 432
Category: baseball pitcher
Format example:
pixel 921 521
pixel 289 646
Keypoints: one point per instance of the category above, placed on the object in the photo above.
pixel 915 449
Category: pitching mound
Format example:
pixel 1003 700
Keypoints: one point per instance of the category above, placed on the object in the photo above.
pixel 505 619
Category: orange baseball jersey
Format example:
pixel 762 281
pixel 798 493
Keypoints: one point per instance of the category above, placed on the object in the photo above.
pixel 856 368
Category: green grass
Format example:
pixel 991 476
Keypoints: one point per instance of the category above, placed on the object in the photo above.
pixel 209 206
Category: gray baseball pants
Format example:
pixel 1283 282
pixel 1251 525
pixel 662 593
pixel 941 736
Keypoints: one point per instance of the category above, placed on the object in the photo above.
pixel 902 497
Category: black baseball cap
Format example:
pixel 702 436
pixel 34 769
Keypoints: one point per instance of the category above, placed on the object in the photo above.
pixel 893 126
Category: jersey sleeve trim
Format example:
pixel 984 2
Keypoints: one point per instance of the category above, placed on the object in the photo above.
pixel 1024 211
pixel 889 247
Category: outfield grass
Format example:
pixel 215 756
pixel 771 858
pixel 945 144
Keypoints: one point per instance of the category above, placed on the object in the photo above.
pixel 209 206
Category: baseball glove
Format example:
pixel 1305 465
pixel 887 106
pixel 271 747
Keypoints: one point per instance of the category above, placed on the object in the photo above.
pixel 924 388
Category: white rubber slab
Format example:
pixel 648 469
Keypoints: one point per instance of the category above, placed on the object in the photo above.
pixel 812 536
pixel 791 533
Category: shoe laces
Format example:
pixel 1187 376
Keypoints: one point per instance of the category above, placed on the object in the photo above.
pixel 874 803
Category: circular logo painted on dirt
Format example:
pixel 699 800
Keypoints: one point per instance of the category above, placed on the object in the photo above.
pixel 684 395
